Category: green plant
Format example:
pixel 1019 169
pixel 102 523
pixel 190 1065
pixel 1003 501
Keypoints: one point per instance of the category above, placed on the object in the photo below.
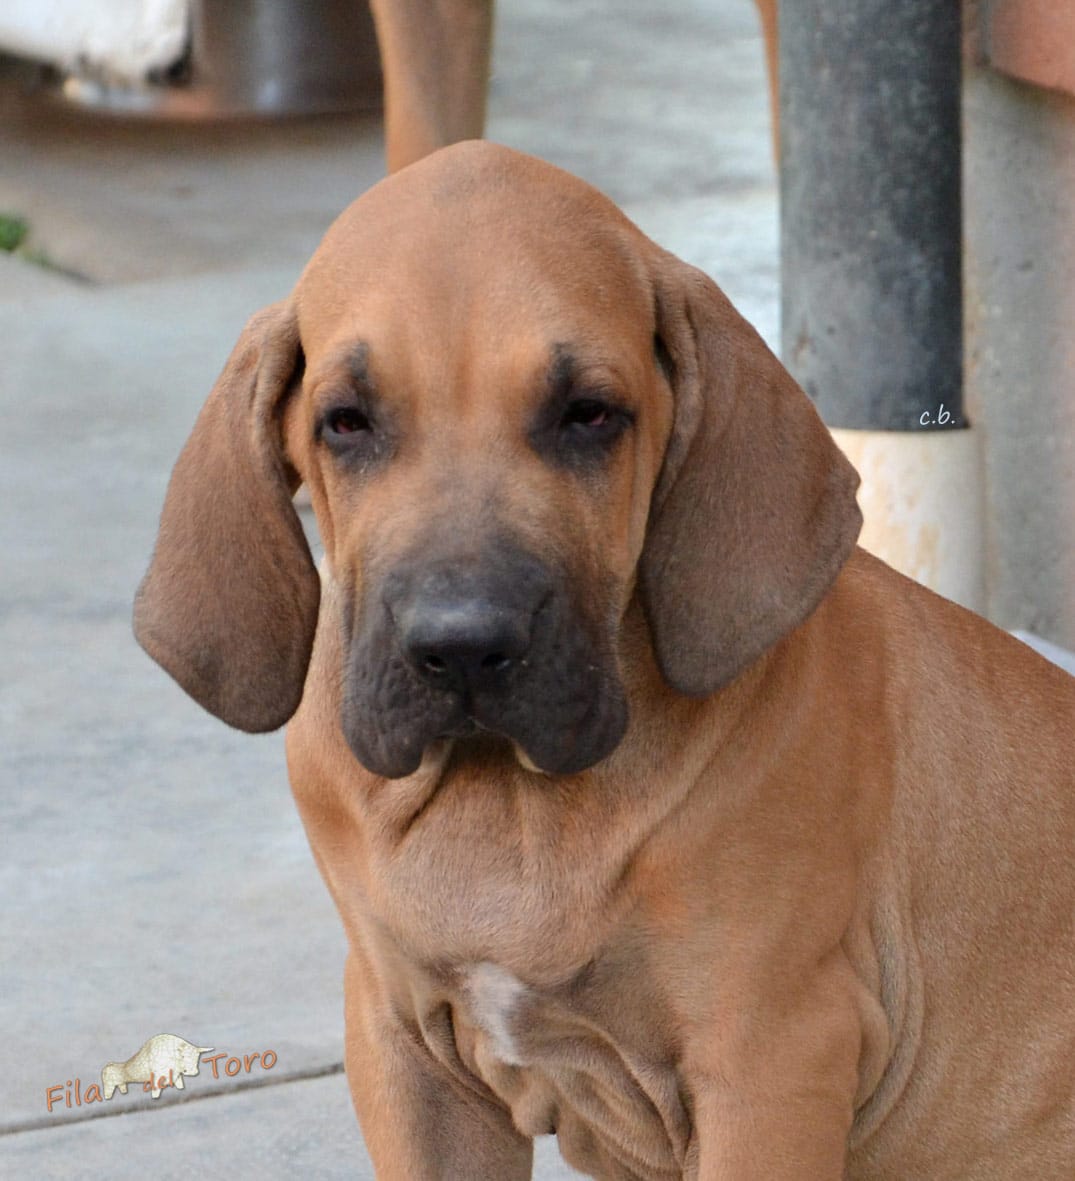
pixel 13 231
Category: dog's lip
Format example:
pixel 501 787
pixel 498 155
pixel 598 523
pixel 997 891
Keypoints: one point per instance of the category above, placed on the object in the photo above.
pixel 470 727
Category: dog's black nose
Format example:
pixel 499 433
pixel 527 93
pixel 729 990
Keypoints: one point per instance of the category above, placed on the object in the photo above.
pixel 463 645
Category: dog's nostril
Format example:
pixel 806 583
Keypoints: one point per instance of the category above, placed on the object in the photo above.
pixel 495 662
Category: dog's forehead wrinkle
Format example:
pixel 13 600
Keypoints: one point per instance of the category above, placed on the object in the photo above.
pixel 358 361
pixel 587 363
pixel 563 367
pixel 349 362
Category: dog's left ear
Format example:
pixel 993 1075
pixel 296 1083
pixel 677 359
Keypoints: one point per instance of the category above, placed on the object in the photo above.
pixel 229 604
pixel 754 512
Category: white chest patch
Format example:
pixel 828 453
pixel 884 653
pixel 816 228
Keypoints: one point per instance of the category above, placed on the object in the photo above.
pixel 616 1105
pixel 494 997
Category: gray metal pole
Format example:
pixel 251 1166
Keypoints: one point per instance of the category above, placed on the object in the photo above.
pixel 870 209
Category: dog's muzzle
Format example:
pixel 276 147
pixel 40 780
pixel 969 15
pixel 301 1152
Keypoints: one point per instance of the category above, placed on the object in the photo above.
pixel 494 643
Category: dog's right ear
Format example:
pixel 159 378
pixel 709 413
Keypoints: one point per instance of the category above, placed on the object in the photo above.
pixel 229 604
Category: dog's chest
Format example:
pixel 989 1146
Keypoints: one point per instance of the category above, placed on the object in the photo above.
pixel 510 927
pixel 539 981
pixel 586 1059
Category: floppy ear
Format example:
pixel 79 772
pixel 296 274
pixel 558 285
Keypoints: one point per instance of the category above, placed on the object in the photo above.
pixel 754 512
pixel 229 604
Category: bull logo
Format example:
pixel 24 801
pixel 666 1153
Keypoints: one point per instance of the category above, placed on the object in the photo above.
pixel 161 1062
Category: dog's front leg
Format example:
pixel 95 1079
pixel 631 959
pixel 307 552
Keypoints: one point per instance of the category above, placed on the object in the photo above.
pixel 774 1091
pixel 419 1122
pixel 743 1138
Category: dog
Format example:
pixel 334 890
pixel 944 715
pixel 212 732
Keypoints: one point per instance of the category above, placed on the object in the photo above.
pixel 659 815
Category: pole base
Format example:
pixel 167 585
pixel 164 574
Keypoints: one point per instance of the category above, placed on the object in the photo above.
pixel 922 506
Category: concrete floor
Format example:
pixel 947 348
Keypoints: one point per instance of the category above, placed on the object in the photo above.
pixel 155 875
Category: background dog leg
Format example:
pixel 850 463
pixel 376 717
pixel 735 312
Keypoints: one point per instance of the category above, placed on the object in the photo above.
pixel 436 69
pixel 767 13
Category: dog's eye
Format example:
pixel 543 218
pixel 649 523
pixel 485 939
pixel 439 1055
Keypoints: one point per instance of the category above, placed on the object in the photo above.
pixel 587 413
pixel 581 430
pixel 345 420
pixel 354 435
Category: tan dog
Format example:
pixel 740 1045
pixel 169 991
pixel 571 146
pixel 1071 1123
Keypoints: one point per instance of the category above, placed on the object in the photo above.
pixel 657 814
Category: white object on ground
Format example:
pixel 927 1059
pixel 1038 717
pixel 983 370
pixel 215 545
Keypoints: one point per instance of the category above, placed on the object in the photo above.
pixel 117 40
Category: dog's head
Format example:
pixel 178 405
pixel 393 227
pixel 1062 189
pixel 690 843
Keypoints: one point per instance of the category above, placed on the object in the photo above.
pixel 513 412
